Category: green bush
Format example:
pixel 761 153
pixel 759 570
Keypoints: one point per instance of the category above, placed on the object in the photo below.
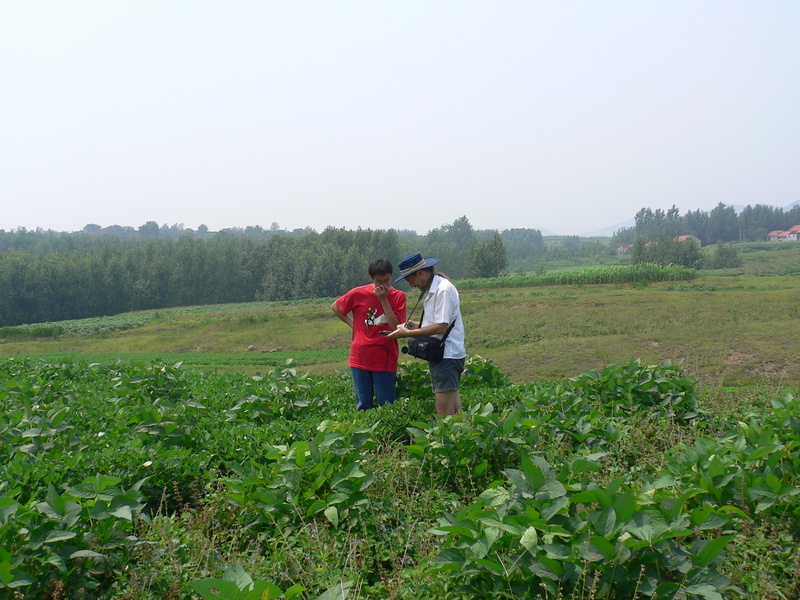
pixel 634 387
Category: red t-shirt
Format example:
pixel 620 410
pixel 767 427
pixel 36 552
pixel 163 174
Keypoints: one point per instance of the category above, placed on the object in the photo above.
pixel 369 349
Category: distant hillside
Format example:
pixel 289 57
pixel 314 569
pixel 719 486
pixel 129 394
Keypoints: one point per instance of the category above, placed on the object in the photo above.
pixel 792 205
pixel 611 229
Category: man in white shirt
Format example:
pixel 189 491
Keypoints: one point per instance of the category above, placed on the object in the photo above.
pixel 441 309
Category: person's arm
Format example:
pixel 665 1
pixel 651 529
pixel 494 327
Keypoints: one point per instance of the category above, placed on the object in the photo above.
pixel 382 294
pixel 347 318
pixel 403 332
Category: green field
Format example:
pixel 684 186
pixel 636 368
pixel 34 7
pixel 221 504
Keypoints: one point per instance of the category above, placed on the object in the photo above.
pixel 619 440
pixel 724 329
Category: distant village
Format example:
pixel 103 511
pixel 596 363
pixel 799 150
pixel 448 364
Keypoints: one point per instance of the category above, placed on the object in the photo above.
pixel 790 235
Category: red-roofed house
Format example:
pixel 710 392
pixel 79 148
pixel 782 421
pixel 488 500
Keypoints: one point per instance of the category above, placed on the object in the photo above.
pixel 791 234
pixel 682 238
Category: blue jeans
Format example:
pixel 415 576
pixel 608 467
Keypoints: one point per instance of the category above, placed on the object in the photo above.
pixel 373 384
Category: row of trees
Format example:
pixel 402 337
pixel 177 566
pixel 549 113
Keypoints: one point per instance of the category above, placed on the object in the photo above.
pixel 49 276
pixel 105 275
pixel 722 223
pixel 666 250
pixel 91 236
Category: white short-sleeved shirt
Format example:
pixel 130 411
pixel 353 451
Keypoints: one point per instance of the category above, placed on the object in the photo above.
pixel 442 304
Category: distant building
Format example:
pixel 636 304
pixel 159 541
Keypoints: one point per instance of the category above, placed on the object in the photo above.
pixel 790 235
pixel 682 238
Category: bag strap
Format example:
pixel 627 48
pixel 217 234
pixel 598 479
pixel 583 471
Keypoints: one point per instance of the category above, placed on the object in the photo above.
pixel 421 296
pixel 446 333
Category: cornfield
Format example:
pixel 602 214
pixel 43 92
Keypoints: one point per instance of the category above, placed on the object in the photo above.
pixel 639 273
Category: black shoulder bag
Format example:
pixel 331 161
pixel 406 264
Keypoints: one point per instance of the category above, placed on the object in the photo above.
pixel 428 348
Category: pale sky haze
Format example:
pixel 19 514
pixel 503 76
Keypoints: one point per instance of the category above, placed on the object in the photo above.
pixel 563 116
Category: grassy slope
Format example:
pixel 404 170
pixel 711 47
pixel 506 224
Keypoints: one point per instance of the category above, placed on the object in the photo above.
pixel 726 329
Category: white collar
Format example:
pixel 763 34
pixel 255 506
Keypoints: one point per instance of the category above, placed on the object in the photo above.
pixel 434 284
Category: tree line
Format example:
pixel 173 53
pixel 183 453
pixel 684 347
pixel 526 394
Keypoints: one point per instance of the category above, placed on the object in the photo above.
pixel 721 224
pixel 46 276
pixel 52 276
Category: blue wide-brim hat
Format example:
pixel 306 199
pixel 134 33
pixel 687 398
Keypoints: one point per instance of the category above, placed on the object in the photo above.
pixel 412 263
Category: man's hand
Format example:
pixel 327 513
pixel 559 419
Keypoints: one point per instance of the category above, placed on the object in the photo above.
pixel 382 291
pixel 400 332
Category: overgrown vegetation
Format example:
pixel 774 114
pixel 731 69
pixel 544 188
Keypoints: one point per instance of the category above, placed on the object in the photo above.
pixel 149 481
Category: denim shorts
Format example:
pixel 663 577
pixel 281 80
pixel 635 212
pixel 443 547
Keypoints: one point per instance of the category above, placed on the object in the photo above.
pixel 446 374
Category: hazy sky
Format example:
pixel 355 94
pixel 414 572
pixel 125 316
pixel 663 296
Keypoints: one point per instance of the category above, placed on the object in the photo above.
pixel 560 115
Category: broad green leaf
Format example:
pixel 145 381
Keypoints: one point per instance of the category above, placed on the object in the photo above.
pixel 530 540
pixel 490 518
pixel 710 551
pixel 57 561
pixel 47 509
pixel 590 553
pixel 338 498
pixel 6 576
pixel 519 481
pixel 299 451
pixel 581 465
pixel 532 472
pixel 315 507
pixel 480 547
pixel 452 557
pixel 495 497
pixel 237 575
pixel 262 590
pixel 606 522
pixel 123 512
pixel 643 532
pixel 59 535
pixel 72 513
pixel 706 517
pixel 293 592
pixel 332 514
pixel 457 529
pixel 624 506
pixel 55 501
pixel 216 589
pixel 491 565
pixel 552 488
pixel 585 497
pixel 8 507
pixel 85 554
pixel 558 551
pixel 341 591
pixel 604 547
pixel 707 591
pixel 547 568
pixel 554 508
